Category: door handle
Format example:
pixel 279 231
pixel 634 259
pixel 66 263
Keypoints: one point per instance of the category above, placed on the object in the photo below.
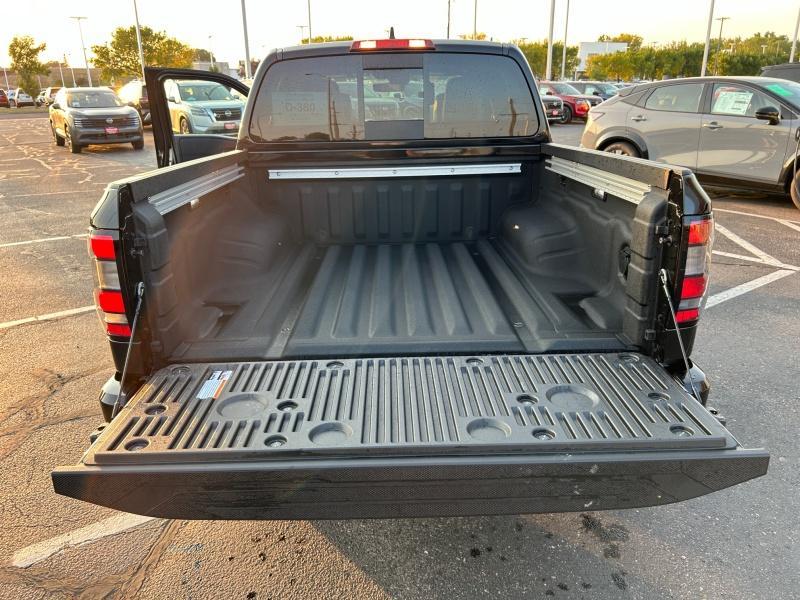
pixel 639 118
pixel 712 125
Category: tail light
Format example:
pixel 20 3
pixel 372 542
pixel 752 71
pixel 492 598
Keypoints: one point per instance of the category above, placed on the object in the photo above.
pixel 108 293
pixel 699 233
pixel 392 44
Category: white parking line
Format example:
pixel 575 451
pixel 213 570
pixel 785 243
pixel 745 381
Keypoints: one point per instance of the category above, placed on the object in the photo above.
pixel 47 193
pixel 747 214
pixel 41 240
pixel 755 260
pixel 47 317
pixel 789 224
pixel 85 535
pixel 765 258
pixel 747 287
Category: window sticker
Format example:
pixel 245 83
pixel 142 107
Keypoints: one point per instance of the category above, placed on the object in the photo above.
pixel 300 107
pixel 779 89
pixel 732 103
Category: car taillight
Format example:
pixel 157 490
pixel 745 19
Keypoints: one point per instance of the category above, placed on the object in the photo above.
pixel 108 294
pixel 699 231
pixel 392 44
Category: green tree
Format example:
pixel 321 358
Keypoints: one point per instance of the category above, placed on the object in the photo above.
pixel 24 53
pixel 119 58
pixel 202 55
pixel 536 55
pixel 318 39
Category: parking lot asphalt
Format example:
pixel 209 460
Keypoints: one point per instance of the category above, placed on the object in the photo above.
pixel 737 543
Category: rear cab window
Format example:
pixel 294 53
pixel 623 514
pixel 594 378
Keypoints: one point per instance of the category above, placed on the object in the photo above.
pixel 422 96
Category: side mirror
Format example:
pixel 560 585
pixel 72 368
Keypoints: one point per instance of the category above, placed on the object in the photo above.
pixel 171 99
pixel 770 114
pixel 56 106
pixel 595 93
pixel 132 104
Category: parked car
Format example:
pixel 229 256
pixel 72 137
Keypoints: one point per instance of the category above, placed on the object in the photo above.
pixel 93 115
pixel 19 98
pixel 553 107
pixel 134 93
pixel 203 107
pixel 50 94
pixel 595 88
pixel 576 104
pixel 40 99
pixel 732 131
pixel 790 71
pixel 340 316
pixel 4 100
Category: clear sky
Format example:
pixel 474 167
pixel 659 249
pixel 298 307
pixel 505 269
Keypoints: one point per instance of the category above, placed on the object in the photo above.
pixel 273 23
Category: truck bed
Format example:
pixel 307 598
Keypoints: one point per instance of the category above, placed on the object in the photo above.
pixel 349 300
pixel 411 436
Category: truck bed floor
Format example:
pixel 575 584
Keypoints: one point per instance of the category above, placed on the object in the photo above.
pixel 351 300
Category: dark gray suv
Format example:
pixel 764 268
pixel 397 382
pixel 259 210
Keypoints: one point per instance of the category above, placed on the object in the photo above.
pixel 83 116
pixel 731 131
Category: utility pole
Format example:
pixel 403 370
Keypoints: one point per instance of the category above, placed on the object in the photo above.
pixel 794 40
pixel 309 21
pixel 708 39
pixel 71 69
pixel 719 46
pixel 549 68
pixel 564 49
pixel 247 72
pixel 83 46
pixel 448 19
pixel 211 53
pixel 139 36
pixel 475 21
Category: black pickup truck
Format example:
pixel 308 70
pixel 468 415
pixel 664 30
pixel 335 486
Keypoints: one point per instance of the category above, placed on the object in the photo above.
pixel 394 296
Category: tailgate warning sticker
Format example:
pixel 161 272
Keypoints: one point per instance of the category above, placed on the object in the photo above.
pixel 213 385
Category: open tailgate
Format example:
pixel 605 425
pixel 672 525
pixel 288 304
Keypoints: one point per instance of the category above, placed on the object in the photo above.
pixel 392 437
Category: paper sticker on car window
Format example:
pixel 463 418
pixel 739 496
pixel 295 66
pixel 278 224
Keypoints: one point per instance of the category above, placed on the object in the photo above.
pixel 300 107
pixel 778 89
pixel 730 102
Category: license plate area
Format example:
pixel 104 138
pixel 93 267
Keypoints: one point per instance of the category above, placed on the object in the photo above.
pixel 112 130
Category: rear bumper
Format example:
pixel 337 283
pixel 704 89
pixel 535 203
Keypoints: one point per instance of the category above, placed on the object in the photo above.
pixel 409 487
pixel 408 436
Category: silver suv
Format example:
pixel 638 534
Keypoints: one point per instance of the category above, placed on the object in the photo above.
pixel 203 107
pixel 732 131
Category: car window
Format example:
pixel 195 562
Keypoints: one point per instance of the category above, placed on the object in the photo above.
pixel 564 89
pixel 448 96
pixel 202 91
pixel 93 99
pixel 676 98
pixel 736 100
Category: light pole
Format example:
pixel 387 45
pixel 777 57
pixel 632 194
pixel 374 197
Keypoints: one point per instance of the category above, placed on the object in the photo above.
pixel 549 67
pixel 719 46
pixel 139 36
pixel 247 72
pixel 6 76
pixel 564 49
pixel 708 39
pixel 83 46
pixel 71 70
pixel 309 21
pixel 61 72
pixel 794 40
pixel 475 21
pixel 302 28
pixel 211 53
pixel 448 19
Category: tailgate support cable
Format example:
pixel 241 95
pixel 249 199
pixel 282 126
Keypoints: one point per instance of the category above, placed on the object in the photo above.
pixel 121 400
pixel 663 276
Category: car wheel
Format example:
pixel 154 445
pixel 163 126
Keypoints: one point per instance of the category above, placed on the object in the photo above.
pixel 623 148
pixel 56 138
pixel 567 116
pixel 794 190
pixel 185 127
pixel 74 147
pixel 138 145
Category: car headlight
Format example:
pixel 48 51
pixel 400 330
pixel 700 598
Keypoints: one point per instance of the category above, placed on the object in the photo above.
pixel 200 112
